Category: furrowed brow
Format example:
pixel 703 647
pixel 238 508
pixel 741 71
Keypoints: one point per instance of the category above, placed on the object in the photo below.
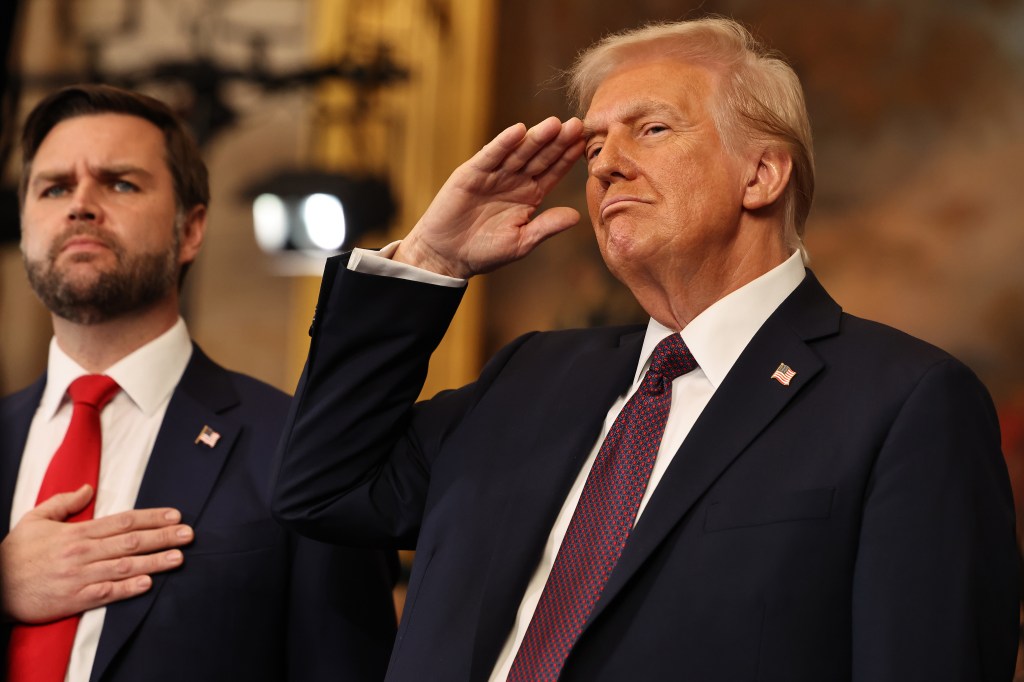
pixel 630 112
pixel 50 178
pixel 119 171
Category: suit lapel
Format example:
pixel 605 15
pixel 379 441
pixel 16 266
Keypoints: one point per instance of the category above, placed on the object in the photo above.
pixel 16 413
pixel 181 473
pixel 743 406
pixel 595 379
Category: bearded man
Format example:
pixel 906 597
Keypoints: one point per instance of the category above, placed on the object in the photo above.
pixel 135 475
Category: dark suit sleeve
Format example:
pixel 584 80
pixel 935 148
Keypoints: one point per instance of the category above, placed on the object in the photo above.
pixel 355 457
pixel 936 582
pixel 341 617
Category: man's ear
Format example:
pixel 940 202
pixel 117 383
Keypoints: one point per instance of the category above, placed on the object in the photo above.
pixel 192 234
pixel 769 180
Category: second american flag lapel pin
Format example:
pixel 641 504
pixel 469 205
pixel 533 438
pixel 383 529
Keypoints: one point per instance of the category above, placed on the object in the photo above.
pixel 783 374
pixel 207 437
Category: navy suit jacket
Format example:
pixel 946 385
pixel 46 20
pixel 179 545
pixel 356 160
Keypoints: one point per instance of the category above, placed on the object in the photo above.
pixel 252 601
pixel 856 524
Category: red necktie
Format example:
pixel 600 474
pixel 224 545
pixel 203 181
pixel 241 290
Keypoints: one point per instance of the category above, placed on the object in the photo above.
pixel 603 519
pixel 40 653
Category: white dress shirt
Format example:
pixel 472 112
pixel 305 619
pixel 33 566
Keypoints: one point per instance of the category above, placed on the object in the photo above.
pixel 129 426
pixel 716 338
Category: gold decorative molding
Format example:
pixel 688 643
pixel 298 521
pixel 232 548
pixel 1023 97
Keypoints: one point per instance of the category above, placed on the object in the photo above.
pixel 417 131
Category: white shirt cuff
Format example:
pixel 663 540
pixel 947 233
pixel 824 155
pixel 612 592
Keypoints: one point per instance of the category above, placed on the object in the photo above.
pixel 379 263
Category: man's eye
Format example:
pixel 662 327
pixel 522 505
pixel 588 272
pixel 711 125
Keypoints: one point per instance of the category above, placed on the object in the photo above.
pixel 54 191
pixel 655 128
pixel 593 152
pixel 124 186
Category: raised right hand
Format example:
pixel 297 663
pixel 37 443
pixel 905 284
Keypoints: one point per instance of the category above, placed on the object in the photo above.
pixel 483 216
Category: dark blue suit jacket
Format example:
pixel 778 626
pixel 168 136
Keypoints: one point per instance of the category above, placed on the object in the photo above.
pixel 856 525
pixel 252 601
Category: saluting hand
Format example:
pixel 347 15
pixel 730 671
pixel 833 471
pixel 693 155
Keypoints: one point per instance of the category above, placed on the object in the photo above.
pixel 483 216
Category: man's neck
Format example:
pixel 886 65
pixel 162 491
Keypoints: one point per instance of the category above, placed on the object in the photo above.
pixel 677 299
pixel 98 346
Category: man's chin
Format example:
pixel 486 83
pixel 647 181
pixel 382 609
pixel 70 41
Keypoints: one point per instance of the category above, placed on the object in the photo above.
pixel 618 254
pixel 82 314
pixel 79 281
pixel 87 292
pixel 74 297
pixel 83 264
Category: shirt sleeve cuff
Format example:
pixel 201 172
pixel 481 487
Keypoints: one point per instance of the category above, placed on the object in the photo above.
pixel 379 263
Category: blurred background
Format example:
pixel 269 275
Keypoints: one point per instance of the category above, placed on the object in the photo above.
pixel 917 108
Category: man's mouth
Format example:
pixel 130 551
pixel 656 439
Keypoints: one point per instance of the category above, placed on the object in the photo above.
pixel 613 204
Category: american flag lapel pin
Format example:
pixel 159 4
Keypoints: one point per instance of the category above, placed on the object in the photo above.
pixel 783 374
pixel 207 437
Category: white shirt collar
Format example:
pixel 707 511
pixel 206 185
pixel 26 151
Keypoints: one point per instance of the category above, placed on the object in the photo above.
pixel 718 335
pixel 147 375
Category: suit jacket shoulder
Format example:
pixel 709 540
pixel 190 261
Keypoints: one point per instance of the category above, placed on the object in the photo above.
pixel 252 601
pixel 852 524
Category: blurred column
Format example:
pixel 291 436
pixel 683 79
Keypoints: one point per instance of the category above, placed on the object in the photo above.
pixel 420 130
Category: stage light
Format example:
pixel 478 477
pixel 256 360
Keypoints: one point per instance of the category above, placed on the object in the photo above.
pixel 318 212
pixel 270 218
pixel 324 219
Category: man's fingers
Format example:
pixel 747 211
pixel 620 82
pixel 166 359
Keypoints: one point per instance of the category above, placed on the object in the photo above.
pixel 117 579
pixel 538 139
pixel 494 153
pixel 126 568
pixel 122 578
pixel 95 595
pixel 63 505
pixel 137 544
pixel 515 146
pixel 133 519
pixel 569 136
pixel 62 569
pixel 557 170
pixel 548 224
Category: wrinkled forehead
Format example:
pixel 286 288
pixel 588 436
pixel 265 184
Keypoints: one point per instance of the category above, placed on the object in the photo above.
pixel 629 54
pixel 102 140
pixel 656 85
pixel 103 130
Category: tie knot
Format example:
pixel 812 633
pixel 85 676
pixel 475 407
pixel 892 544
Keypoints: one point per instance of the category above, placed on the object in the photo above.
pixel 670 359
pixel 93 389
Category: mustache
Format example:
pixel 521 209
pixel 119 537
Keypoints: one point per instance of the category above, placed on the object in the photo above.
pixel 84 230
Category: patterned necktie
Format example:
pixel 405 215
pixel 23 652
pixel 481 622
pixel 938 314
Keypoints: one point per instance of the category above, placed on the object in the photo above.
pixel 40 653
pixel 603 518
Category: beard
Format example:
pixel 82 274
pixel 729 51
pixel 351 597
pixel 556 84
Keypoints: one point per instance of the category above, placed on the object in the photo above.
pixel 134 283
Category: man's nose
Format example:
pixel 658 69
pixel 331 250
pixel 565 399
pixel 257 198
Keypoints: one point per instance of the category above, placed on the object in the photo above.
pixel 85 204
pixel 613 162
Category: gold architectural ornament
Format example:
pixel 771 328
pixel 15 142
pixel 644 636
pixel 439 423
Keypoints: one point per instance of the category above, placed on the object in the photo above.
pixel 422 131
